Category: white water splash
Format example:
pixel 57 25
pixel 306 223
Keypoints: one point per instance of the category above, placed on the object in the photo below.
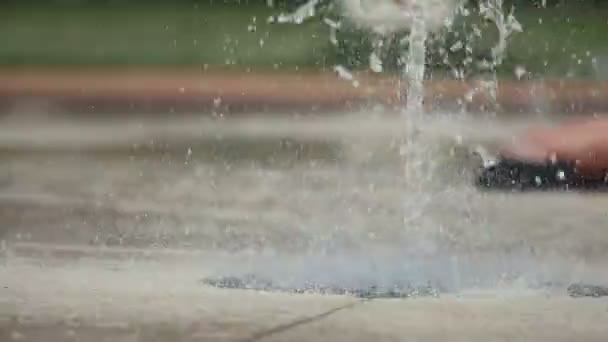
pixel 387 17
pixel 414 111
pixel 346 74
pixel 506 26
pixel 306 11
pixel 420 18
pixel 493 10
pixel 375 63
pixel 415 67
pixel 334 26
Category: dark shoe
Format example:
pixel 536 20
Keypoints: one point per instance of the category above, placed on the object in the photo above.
pixel 508 174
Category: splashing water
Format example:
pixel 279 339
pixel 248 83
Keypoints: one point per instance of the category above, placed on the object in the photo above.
pixel 420 18
pixel 307 10
pixel 493 10
pixel 414 111
pixel 386 17
pixel 506 25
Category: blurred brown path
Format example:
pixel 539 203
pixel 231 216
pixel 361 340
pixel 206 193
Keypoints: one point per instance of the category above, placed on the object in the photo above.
pixel 148 90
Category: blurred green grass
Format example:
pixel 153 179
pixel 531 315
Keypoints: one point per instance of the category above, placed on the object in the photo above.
pixel 156 34
pixel 560 41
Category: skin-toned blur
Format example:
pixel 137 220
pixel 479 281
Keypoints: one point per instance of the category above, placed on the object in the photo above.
pixel 582 141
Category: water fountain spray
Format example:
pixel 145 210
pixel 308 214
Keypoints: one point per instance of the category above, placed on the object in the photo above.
pixel 493 10
pixel 419 19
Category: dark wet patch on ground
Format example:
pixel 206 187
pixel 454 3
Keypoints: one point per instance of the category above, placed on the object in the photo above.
pixel 256 283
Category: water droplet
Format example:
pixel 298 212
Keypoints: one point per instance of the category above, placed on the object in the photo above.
pixel 457 46
pixel 375 64
pixel 343 73
pixel 520 71
pixel 17 336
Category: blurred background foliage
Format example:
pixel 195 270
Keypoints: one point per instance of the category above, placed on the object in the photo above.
pixel 561 38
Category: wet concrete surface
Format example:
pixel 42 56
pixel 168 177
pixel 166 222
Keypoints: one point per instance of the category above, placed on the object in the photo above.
pixel 109 240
